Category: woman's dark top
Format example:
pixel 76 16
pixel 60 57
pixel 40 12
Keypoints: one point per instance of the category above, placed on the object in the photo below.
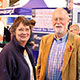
pixel 13 66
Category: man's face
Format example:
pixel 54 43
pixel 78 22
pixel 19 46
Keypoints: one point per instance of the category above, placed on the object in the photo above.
pixel 74 30
pixel 60 22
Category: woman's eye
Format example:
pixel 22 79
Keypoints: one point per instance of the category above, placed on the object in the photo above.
pixel 27 29
pixel 20 29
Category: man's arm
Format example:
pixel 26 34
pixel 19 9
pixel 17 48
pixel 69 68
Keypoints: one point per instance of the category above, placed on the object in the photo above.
pixel 78 44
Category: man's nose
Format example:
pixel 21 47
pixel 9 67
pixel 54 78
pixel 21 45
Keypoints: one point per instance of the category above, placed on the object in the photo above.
pixel 58 20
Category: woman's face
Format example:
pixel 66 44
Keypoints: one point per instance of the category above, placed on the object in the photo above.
pixel 22 34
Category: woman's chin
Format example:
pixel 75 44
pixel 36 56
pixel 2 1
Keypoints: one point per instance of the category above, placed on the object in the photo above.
pixel 25 41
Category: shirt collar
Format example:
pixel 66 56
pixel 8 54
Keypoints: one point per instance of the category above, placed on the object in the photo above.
pixel 63 39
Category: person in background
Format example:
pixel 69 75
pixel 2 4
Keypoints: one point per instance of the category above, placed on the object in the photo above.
pixel 70 4
pixel 69 8
pixel 16 60
pixel 74 29
pixel 59 53
pixel 4 35
pixel 31 43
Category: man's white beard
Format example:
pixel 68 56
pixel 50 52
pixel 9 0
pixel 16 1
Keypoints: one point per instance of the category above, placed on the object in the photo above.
pixel 59 30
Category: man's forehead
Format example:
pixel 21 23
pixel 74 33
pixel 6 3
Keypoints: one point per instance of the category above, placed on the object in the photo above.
pixel 74 28
pixel 59 15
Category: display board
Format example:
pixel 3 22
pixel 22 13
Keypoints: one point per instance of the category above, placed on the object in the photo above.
pixel 43 25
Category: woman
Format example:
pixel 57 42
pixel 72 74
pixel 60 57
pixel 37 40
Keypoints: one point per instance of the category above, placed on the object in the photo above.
pixel 13 65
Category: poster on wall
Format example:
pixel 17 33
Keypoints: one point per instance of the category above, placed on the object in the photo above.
pixel 43 25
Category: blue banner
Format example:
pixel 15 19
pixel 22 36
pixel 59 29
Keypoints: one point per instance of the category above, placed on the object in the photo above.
pixel 16 11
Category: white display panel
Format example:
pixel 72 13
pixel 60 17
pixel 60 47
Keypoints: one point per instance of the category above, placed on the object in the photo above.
pixel 76 16
pixel 43 17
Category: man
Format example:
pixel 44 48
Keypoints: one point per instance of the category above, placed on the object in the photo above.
pixel 59 53
pixel 74 29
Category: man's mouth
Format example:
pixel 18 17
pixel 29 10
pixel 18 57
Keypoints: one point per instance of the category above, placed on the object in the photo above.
pixel 58 26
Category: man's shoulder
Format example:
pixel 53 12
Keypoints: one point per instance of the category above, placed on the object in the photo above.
pixel 74 37
pixel 48 36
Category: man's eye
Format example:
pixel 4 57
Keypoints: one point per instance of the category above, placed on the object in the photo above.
pixel 71 30
pixel 56 19
pixel 61 19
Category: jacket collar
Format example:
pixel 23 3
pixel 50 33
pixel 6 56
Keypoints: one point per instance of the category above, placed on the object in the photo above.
pixel 68 50
pixel 18 46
